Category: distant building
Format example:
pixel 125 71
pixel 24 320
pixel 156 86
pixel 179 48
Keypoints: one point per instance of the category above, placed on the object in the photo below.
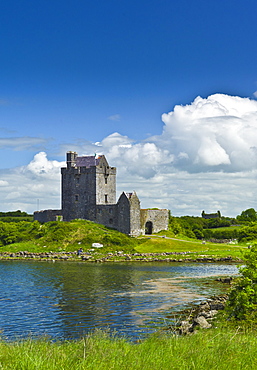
pixel 211 215
pixel 89 192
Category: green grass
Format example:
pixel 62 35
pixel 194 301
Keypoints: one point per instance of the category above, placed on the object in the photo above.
pixel 160 245
pixel 70 236
pixel 210 349
pixel 63 236
pixel 227 228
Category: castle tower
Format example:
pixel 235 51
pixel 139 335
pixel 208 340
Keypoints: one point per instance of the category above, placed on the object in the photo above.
pixel 87 181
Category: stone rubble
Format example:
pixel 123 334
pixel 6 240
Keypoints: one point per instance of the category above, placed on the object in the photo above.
pixel 202 315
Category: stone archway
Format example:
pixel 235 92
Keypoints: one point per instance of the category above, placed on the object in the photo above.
pixel 148 228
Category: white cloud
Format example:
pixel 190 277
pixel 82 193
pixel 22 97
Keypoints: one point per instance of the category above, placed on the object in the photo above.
pixel 205 159
pixel 115 117
pixel 21 143
pixel 38 182
pixel 219 131
pixel 41 166
pixel 3 183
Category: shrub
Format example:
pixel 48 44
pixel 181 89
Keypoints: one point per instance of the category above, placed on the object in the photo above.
pixel 242 302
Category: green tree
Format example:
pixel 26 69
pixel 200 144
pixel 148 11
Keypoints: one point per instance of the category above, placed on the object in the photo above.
pixel 248 215
pixel 242 301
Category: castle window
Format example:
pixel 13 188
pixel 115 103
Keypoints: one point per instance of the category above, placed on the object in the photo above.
pixel 111 221
pixel 110 210
pixel 106 198
pixel 105 180
pixel 76 198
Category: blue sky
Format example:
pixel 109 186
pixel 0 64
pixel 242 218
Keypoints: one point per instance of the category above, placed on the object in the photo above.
pixel 72 73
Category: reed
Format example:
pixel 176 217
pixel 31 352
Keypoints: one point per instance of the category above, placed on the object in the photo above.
pixel 221 348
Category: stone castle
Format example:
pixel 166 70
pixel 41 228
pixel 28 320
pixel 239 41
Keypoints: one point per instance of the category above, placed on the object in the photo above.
pixel 89 192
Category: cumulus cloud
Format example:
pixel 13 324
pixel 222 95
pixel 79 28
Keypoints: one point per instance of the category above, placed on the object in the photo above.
pixel 41 166
pixel 142 159
pixel 27 186
pixel 205 159
pixel 219 131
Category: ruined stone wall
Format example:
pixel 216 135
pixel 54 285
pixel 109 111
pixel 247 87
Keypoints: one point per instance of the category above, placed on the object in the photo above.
pixel 135 226
pixel 123 214
pixel 158 217
pixel 48 215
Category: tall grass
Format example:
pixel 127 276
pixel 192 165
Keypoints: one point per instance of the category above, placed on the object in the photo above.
pixel 211 349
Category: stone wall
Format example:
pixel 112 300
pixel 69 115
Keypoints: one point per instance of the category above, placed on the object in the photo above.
pixel 105 183
pixel 159 218
pixel 123 212
pixel 48 215
pixel 107 215
pixel 135 225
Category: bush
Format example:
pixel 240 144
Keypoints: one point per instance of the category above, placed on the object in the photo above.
pixel 247 233
pixel 242 302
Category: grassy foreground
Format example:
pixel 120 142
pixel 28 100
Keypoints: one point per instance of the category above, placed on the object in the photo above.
pixel 208 349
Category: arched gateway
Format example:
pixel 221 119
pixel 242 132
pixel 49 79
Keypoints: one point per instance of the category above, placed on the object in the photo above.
pixel 148 228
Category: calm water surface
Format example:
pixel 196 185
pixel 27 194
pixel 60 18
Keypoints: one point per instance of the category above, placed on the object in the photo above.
pixel 67 300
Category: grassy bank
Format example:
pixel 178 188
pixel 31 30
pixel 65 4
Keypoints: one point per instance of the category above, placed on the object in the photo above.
pixel 67 237
pixel 209 349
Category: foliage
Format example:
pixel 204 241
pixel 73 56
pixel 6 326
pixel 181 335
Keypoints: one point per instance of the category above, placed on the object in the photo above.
pixel 15 216
pixel 242 302
pixel 247 233
pixel 14 232
pixel 248 215
pixel 218 222
pixel 56 235
pixel 222 233
pixel 198 227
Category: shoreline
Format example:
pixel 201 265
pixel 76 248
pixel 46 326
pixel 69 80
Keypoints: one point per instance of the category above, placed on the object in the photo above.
pixel 114 257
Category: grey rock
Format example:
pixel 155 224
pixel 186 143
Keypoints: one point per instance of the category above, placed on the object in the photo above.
pixel 202 322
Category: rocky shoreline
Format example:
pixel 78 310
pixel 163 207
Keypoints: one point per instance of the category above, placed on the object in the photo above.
pixel 201 316
pixel 114 257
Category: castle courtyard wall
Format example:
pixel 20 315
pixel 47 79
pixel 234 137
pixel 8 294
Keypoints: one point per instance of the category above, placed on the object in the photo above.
pixel 48 215
pixel 158 217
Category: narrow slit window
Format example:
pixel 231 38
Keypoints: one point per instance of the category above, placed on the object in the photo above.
pixel 106 198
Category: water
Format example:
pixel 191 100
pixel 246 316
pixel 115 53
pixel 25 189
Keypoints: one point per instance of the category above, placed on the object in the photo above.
pixel 66 300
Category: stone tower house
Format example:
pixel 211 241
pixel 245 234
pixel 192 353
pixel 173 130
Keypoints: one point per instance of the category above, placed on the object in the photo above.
pixel 89 192
pixel 87 182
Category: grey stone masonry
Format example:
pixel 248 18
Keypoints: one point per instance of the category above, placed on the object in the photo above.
pixel 89 192
pixel 86 183
pixel 154 220
pixel 48 215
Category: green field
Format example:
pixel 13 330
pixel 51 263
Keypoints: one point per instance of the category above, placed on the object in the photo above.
pixel 160 245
